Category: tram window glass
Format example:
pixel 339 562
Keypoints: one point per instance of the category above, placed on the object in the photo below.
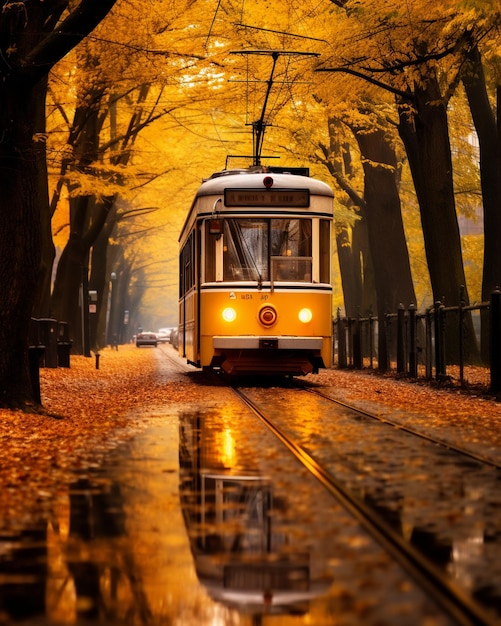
pixel 291 250
pixel 245 249
pixel 187 266
pixel 210 256
pixel 325 251
pixel 250 243
pixel 291 237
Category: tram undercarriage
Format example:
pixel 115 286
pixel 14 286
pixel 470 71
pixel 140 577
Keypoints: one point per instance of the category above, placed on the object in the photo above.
pixel 267 362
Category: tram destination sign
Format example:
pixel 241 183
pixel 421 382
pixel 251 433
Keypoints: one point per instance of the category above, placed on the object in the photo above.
pixel 267 197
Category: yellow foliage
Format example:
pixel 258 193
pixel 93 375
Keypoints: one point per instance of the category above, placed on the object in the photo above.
pixel 206 94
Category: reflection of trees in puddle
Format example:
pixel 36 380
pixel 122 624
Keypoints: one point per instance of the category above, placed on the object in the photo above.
pixel 75 565
pixel 448 528
pixel 263 541
pixel 22 573
pixel 244 552
pixel 91 574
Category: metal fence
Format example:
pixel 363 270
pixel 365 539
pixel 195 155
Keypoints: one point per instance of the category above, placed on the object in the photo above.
pixel 415 343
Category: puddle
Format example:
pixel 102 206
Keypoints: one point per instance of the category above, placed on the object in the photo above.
pixel 199 520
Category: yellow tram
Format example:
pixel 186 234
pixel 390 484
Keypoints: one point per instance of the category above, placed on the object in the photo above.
pixel 255 254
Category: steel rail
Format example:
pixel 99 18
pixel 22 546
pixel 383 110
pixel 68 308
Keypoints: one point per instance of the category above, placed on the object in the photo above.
pixel 453 601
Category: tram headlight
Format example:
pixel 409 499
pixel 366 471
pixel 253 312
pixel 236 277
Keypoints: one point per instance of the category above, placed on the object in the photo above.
pixel 305 315
pixel 229 314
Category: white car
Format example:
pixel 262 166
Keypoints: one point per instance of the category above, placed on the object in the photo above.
pixel 163 335
pixel 146 338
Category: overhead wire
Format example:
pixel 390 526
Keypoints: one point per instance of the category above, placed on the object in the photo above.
pixel 268 38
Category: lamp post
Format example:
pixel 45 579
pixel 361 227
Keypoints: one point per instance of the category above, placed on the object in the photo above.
pixel 84 302
pixel 110 310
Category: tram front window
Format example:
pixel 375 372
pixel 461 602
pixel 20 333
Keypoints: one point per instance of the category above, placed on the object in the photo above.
pixel 255 247
pixel 245 249
pixel 290 250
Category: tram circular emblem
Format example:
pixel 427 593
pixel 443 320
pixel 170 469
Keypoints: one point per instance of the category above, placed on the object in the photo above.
pixel 267 315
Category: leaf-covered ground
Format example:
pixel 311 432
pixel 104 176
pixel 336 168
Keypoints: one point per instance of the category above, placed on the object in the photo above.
pixel 94 408
pixel 98 409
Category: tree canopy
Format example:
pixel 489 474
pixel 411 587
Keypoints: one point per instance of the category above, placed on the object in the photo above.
pixel 391 104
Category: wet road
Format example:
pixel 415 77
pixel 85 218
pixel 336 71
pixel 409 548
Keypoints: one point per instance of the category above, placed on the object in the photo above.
pixel 202 519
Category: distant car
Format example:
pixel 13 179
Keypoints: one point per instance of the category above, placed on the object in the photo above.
pixel 146 338
pixel 163 335
pixel 174 338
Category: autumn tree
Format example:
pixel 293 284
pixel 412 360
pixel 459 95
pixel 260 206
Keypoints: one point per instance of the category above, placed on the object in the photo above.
pixel 92 212
pixel 101 166
pixel 483 111
pixel 34 36
pixel 350 228
pixel 411 54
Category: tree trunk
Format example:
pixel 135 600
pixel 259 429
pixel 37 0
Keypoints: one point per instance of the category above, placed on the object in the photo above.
pixel 355 262
pixel 383 215
pixel 99 282
pixel 351 276
pixel 28 49
pixel 490 178
pixel 424 132
pixel 20 248
pixel 41 307
pixel 67 295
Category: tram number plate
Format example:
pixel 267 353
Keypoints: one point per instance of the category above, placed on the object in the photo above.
pixel 268 344
pixel 267 197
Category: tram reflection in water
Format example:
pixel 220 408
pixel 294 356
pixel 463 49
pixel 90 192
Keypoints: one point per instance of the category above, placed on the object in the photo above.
pixel 242 546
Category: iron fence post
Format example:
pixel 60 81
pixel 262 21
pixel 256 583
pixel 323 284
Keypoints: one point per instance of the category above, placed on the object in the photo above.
pixel 461 334
pixel 428 345
pixel 357 345
pixel 412 342
pixel 495 341
pixel 401 339
pixel 371 339
pixel 341 342
pixel 439 343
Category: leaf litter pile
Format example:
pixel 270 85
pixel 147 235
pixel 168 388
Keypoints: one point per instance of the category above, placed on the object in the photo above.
pixel 99 409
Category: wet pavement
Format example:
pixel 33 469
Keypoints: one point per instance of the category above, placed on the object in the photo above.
pixel 443 504
pixel 202 519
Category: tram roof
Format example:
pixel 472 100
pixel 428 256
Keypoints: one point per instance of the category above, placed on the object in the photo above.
pixel 254 177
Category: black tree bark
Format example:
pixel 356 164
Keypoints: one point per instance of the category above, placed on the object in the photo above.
pixel 424 131
pixel 489 139
pixel 383 215
pixel 32 39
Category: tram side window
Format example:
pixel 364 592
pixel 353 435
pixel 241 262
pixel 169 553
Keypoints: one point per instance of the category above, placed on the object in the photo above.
pixel 187 266
pixel 325 251
pixel 210 256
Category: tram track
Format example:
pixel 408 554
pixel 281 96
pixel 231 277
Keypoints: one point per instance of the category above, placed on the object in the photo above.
pixel 173 359
pixel 398 425
pixel 455 600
